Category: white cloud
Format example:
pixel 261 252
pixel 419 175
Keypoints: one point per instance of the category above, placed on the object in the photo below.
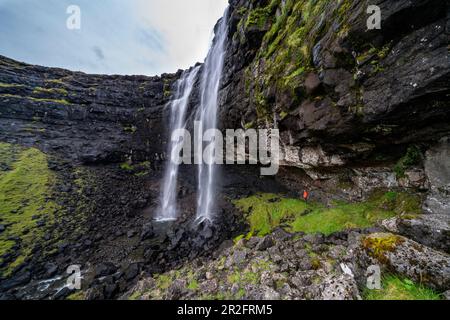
pixel 186 26
pixel 116 36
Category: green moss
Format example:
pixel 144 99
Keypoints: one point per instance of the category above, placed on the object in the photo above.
pixel 342 216
pixel 259 17
pixel 379 244
pixel 126 166
pixel 242 278
pixel 79 295
pixel 238 238
pixel 412 157
pixel 163 281
pixel 11 85
pixel 395 288
pixel 193 285
pixel 249 125
pixel 285 56
pixel 135 296
pixel 166 89
pixel 267 211
pixel 40 90
pixel 138 169
pixel 264 212
pixel 130 128
pixel 24 190
pixel 58 101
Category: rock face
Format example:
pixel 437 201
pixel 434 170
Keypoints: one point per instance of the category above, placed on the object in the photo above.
pixel 432 230
pixel 85 118
pixel 315 71
pixel 437 167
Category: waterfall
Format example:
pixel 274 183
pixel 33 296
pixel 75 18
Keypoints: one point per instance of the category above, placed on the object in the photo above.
pixel 207 119
pixel 178 108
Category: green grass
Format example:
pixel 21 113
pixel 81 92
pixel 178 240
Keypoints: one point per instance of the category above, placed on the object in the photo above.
pixel 395 288
pixel 24 188
pixel 58 101
pixel 140 169
pixel 267 211
pixel 11 85
pixel 79 295
pixel 163 281
pixel 264 212
pixel 193 285
pixel 39 90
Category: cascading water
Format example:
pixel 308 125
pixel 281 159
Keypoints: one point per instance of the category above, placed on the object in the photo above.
pixel 207 119
pixel 178 108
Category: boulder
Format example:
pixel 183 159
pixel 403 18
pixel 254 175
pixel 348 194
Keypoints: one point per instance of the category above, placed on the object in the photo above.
pixel 341 287
pixel 265 243
pixel 104 269
pixel 395 253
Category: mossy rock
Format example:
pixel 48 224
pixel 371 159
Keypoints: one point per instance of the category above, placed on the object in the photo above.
pixel 25 186
pixel 379 244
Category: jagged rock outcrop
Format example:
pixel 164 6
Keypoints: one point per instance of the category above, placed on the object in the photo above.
pixel 314 69
pixel 403 256
pixel 437 167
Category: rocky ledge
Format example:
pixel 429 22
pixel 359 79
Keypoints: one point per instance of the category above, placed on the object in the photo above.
pixel 297 266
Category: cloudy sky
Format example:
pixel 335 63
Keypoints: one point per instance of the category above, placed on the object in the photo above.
pixel 116 36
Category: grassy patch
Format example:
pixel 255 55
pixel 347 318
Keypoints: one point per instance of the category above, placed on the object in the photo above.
pixel 58 101
pixel 395 288
pixel 412 157
pixel 264 212
pixel 40 90
pixel 11 85
pixel 139 169
pixel 24 187
pixel 163 281
pixel 79 295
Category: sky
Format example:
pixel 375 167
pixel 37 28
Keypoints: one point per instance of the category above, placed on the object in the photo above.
pixel 146 37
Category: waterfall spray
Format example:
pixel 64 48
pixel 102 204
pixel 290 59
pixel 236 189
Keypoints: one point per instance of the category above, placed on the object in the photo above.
pixel 207 117
pixel 178 108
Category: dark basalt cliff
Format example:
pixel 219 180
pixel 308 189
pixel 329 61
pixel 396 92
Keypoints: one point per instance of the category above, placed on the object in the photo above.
pixel 357 111
pixel 315 70
pixel 85 118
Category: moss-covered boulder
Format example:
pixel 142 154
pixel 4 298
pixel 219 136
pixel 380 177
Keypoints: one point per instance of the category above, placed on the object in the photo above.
pixel 405 257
